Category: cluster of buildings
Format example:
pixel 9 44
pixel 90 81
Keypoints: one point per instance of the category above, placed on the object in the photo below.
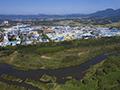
pixel 4 23
pixel 26 34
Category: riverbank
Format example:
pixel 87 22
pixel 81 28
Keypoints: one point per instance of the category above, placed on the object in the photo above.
pixel 61 75
pixel 102 76
pixel 27 79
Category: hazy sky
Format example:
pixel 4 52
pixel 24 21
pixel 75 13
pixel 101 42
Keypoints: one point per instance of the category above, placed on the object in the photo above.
pixel 55 6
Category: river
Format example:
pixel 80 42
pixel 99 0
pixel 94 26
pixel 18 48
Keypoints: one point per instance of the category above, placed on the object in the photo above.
pixel 61 75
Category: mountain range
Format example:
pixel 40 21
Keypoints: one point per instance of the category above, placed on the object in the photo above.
pixel 103 14
pixel 106 13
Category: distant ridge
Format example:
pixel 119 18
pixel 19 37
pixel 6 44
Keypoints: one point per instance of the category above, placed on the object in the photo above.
pixel 108 13
pixel 40 16
pixel 105 13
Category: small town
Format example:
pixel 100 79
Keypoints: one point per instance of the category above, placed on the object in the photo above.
pixel 25 34
pixel 59 44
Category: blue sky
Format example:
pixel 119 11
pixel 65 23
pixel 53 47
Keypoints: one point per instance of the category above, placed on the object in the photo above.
pixel 55 6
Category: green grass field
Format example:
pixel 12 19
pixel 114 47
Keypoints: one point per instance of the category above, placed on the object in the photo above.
pixel 103 76
pixel 56 55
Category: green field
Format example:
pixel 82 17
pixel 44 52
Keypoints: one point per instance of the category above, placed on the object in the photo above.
pixel 103 76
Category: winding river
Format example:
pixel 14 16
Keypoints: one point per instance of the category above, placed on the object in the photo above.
pixel 61 75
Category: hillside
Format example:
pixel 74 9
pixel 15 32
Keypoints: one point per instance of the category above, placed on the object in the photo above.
pixel 106 13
